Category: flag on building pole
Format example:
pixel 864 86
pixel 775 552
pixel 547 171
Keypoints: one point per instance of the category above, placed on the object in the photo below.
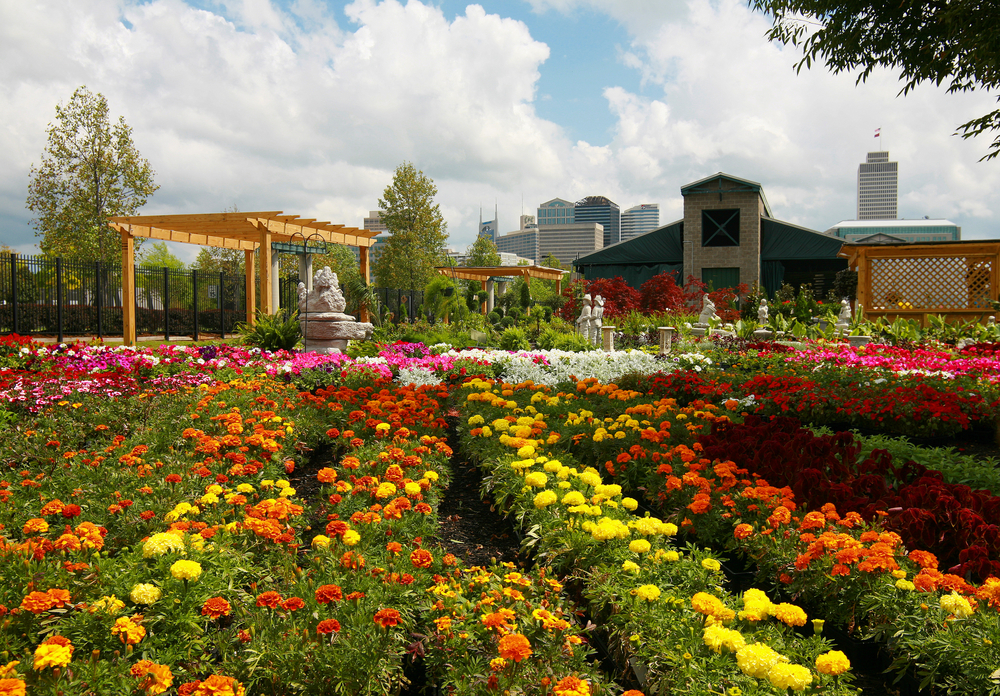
pixel 878 131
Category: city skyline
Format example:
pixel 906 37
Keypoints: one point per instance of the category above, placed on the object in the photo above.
pixel 309 106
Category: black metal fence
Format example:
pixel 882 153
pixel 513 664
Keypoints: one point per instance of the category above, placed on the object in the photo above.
pixel 401 305
pixel 44 296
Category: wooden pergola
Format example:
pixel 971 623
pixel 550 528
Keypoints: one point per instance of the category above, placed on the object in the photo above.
pixel 484 273
pixel 252 232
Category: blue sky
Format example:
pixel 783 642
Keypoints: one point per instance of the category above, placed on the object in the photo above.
pixel 308 106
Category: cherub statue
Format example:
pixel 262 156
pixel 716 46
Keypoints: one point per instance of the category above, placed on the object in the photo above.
pixel 844 318
pixel 762 311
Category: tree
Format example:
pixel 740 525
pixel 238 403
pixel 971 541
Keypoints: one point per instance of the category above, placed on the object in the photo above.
pixel 551 261
pixel 418 234
pixel 956 42
pixel 220 260
pixel 160 256
pixel 90 171
pixel 483 253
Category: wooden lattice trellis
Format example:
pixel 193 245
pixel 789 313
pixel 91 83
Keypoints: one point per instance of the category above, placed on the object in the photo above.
pixel 955 280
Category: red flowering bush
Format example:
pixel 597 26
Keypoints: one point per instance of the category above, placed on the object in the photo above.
pixel 661 293
pixel 619 297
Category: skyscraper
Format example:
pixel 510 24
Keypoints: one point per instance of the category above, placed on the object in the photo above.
pixel 556 212
pixel 489 228
pixel 601 210
pixel 878 187
pixel 640 219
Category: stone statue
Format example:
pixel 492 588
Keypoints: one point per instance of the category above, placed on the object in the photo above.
pixel 762 312
pixel 597 321
pixel 708 311
pixel 583 321
pixel 845 313
pixel 325 295
pixel 325 327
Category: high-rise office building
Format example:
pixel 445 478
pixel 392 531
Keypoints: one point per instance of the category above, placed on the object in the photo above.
pixel 602 211
pixel 489 227
pixel 640 219
pixel 878 187
pixel 374 222
pixel 556 212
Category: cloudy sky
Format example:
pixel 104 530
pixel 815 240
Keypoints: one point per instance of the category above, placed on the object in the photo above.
pixel 307 106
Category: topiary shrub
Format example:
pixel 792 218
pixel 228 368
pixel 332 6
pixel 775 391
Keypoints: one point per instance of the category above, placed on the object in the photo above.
pixel 507 322
pixel 493 318
pixel 514 339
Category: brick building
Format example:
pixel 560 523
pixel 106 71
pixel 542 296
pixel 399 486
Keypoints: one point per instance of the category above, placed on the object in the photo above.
pixel 727 236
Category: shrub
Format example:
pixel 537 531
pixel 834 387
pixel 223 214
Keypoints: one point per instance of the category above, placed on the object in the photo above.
pixel 507 322
pixel 493 317
pixel 514 339
pixel 278 331
pixel 661 293
pixel 573 343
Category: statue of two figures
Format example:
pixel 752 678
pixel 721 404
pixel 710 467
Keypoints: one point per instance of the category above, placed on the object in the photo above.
pixel 591 319
pixel 325 327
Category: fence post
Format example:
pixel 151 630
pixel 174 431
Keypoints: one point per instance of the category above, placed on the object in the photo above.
pixel 13 291
pixel 100 299
pixel 59 299
pixel 166 304
pixel 222 305
pixel 194 287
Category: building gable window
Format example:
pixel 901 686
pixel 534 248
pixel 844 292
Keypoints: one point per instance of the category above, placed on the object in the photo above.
pixel 720 228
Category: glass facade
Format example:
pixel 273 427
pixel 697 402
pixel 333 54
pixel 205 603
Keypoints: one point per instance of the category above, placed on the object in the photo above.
pixel 640 219
pixel 556 212
pixel 604 212
pixel 878 188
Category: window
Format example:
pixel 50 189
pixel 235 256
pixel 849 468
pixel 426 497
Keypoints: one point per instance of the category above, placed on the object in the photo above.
pixel 720 228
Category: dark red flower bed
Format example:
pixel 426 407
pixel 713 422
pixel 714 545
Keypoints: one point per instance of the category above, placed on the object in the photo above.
pixel 950 520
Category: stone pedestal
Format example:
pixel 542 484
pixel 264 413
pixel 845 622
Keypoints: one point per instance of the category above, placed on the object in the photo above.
pixel 858 341
pixel 608 338
pixel 763 335
pixel 666 338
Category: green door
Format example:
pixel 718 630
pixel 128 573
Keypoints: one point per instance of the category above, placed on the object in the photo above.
pixel 718 278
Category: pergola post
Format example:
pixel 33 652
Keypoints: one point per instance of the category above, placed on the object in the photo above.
pixel 251 287
pixel 275 275
pixel 365 271
pixel 128 289
pixel 266 272
pixel 483 308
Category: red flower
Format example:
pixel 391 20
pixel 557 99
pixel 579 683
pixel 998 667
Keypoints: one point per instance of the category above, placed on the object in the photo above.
pixel 215 607
pixel 293 604
pixel 269 599
pixel 70 511
pixel 421 558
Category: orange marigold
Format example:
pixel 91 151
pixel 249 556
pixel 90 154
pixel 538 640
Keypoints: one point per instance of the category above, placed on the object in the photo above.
pixel 12 687
pixel 217 685
pixel 515 647
pixel 328 593
pixel 421 558
pixel 990 591
pixel 387 617
pixel 215 607
pixel 572 686
pixel 269 599
pixel 742 531
pixel 38 602
pixel 328 626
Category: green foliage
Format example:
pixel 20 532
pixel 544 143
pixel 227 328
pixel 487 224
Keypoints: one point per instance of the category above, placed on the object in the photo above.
pixel 573 343
pixel 90 172
pixel 947 42
pixel 158 255
pixel 507 322
pixel 219 260
pixel 483 253
pixel 493 317
pixel 278 331
pixel 514 339
pixel 417 231
pixel 524 296
pixel 441 298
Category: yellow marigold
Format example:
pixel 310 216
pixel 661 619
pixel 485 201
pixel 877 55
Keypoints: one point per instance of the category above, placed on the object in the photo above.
pixel 574 498
pixel 591 477
pixel 833 663
pixel 52 655
pixel 630 567
pixel 476 420
pixel 790 614
pixel 756 660
pixel 525 451
pixel 144 593
pixel 109 604
pixel 905 585
pixel 956 604
pixel 351 537
pixel 639 546
pixel 411 488
pixel 784 676
pixel 158 678
pixel 536 479
pixel 161 543
pixel 185 570
pixel 320 541
pixel 385 489
pixel 717 637
pixel 630 504
pixel 706 604
pixel 711 564
pixel 545 498
pixel 648 592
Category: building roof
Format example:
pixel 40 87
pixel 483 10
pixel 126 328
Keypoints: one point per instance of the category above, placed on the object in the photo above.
pixel 921 222
pixel 732 183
